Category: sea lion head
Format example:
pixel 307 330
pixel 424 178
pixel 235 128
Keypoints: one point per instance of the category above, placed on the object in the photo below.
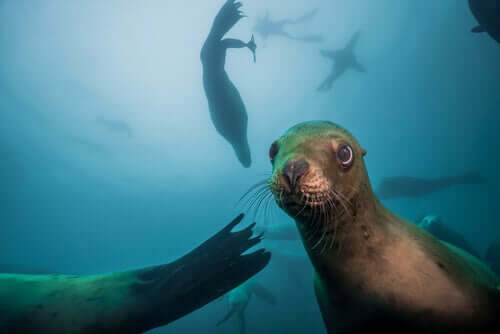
pixel 318 172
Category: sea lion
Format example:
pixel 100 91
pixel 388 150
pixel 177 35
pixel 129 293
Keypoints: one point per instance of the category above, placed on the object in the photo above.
pixel 487 14
pixel 343 60
pixel 227 109
pixel 266 27
pixel 239 297
pixel 131 301
pixel 407 186
pixel 435 226
pixel 373 269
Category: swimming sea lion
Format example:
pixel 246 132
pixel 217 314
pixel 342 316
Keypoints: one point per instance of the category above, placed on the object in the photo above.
pixel 487 13
pixel 343 60
pixel 239 297
pixel 227 109
pixel 131 301
pixel 407 186
pixel 266 27
pixel 373 270
pixel 435 226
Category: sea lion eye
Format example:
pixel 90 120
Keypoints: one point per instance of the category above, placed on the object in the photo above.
pixel 273 150
pixel 345 155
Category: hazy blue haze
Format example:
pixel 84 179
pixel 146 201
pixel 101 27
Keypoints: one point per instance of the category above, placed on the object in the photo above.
pixel 76 196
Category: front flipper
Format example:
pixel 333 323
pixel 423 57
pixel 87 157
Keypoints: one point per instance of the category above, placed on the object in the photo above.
pixel 204 274
pixel 478 29
pixel 226 18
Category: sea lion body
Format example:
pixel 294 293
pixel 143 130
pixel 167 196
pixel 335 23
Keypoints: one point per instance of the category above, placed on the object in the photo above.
pixel 227 110
pixel 373 269
pixel 132 301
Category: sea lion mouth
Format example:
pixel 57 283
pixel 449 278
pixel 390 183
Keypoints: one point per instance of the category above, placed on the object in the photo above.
pixel 308 204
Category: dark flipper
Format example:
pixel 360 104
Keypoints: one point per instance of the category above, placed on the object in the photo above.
pixel 264 293
pixel 226 18
pixel 204 274
pixel 352 42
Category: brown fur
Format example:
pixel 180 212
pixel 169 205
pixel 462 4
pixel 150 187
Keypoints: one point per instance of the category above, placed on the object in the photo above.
pixel 372 268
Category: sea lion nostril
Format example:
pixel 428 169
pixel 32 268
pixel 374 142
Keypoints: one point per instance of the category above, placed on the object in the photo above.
pixel 293 170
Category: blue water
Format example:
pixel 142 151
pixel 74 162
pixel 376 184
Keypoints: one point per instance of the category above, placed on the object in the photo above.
pixel 78 197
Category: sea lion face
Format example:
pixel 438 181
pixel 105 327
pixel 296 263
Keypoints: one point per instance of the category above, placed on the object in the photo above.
pixel 317 171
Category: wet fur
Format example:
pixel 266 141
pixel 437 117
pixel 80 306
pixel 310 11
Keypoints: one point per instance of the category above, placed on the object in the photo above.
pixel 133 301
pixel 381 271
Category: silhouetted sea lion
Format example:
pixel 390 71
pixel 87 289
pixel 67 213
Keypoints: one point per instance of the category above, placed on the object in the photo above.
pixel 132 301
pixel 407 186
pixel 343 60
pixel 487 13
pixel 227 109
pixel 239 297
pixel 438 229
pixel 373 270
pixel 266 27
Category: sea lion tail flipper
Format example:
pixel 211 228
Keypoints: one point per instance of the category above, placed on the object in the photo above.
pixel 206 273
pixel 252 46
pixel 264 293
pixel 478 29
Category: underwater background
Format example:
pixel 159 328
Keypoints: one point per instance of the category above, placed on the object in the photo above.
pixel 79 195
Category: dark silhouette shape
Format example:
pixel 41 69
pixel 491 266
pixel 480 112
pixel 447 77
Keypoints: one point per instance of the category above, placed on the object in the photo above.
pixel 492 257
pixel 438 229
pixel 487 14
pixel 406 186
pixel 265 27
pixel 132 301
pixel 343 60
pixel 117 126
pixel 239 298
pixel 227 109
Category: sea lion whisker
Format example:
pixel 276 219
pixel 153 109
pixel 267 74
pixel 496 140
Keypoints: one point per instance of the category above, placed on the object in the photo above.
pixel 264 182
pixel 256 199
pixel 262 196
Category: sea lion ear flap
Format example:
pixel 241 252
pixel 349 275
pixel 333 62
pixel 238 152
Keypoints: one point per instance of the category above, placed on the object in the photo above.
pixel 363 152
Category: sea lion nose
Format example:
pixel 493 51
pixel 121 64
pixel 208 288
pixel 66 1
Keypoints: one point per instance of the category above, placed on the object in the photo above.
pixel 293 170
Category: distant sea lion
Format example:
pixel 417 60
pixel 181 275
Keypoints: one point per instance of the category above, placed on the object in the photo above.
pixel 132 301
pixel 487 13
pixel 343 59
pixel 407 186
pixel 227 109
pixel 373 270
pixel 435 226
pixel 266 27
pixel 239 297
